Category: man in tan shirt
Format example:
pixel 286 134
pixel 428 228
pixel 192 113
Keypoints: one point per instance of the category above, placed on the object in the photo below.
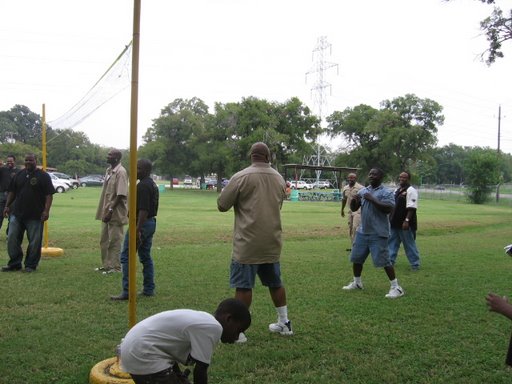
pixel 348 193
pixel 256 194
pixel 113 213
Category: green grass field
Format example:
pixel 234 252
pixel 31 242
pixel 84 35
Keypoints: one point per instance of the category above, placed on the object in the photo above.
pixel 57 323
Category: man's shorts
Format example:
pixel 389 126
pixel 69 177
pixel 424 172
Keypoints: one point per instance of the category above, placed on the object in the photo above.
pixel 244 275
pixel 375 245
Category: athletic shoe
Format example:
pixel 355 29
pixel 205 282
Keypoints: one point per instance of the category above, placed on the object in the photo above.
pixel 352 286
pixel 395 292
pixel 110 271
pixel 99 269
pixel 241 338
pixel 282 329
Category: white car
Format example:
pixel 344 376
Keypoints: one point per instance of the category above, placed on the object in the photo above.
pixel 322 184
pixel 73 183
pixel 300 184
pixel 59 184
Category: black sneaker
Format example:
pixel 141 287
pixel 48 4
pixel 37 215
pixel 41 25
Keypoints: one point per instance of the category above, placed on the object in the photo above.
pixel 120 297
pixel 11 268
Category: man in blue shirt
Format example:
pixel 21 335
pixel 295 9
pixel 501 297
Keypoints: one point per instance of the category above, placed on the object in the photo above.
pixel 376 204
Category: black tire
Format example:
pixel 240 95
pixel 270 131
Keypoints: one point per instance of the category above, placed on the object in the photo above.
pixel 75 185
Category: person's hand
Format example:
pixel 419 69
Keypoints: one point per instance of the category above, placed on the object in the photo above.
pixel 342 213
pixel 497 303
pixel 139 239
pixel 6 211
pixel 405 225
pixel 44 216
pixel 368 196
pixel 107 217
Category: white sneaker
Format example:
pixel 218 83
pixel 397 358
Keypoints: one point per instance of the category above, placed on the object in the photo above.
pixel 395 292
pixel 282 329
pixel 241 338
pixel 353 285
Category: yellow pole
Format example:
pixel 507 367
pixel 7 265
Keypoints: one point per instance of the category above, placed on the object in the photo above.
pixel 43 126
pixel 132 266
pixel 45 250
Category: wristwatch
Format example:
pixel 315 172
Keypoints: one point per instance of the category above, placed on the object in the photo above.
pixel 407 219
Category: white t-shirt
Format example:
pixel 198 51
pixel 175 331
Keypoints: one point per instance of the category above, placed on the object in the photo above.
pixel 412 198
pixel 156 343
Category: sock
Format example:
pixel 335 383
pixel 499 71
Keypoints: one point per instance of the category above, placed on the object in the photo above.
pixel 282 313
pixel 394 283
pixel 357 280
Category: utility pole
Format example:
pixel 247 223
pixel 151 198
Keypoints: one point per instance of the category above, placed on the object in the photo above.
pixel 498 152
pixel 320 67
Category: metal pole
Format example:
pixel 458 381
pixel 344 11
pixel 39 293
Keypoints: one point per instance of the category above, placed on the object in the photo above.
pixel 132 269
pixel 43 127
pixel 499 134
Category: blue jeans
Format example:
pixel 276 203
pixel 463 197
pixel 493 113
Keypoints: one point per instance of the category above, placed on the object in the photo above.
pixel 144 252
pixel 408 239
pixel 17 229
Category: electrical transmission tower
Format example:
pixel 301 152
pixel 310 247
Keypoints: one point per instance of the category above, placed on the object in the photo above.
pixel 319 91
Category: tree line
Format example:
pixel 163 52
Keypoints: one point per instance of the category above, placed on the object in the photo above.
pixel 187 139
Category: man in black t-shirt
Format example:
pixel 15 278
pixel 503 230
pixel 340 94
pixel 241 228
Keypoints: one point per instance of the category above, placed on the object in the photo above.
pixel 404 222
pixel 7 172
pixel 33 191
pixel 147 209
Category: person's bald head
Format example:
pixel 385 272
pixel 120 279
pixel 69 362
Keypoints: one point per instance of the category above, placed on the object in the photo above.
pixel 352 178
pixel 260 153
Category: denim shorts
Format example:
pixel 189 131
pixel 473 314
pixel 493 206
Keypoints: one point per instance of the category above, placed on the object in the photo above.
pixel 244 275
pixel 375 245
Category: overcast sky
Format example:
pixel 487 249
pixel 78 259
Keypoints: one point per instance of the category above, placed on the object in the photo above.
pixel 53 51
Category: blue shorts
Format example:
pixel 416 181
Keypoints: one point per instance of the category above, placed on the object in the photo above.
pixel 244 275
pixel 374 244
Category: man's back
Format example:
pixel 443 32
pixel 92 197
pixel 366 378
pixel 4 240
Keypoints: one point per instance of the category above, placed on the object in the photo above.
pixel 156 342
pixel 256 194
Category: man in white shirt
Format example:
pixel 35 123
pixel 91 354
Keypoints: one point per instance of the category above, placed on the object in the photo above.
pixel 153 349
pixel 404 222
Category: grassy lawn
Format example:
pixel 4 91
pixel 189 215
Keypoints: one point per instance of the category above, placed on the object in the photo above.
pixel 57 323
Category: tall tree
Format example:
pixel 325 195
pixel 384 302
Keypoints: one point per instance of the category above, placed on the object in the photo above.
pixel 20 124
pixel 394 137
pixel 482 173
pixel 175 130
pixel 497 28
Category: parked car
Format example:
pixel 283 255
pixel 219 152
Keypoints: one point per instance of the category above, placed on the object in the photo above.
pixel 300 184
pixel 212 183
pixel 91 181
pixel 60 185
pixel 73 183
pixel 187 181
pixel 322 184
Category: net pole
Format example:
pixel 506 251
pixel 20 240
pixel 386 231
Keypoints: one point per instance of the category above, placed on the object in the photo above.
pixel 43 151
pixel 132 266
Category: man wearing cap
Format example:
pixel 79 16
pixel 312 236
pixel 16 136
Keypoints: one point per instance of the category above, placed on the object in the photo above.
pixel 256 194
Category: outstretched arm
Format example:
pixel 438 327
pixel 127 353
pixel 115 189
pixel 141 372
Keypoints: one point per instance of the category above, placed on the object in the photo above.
pixel 499 304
